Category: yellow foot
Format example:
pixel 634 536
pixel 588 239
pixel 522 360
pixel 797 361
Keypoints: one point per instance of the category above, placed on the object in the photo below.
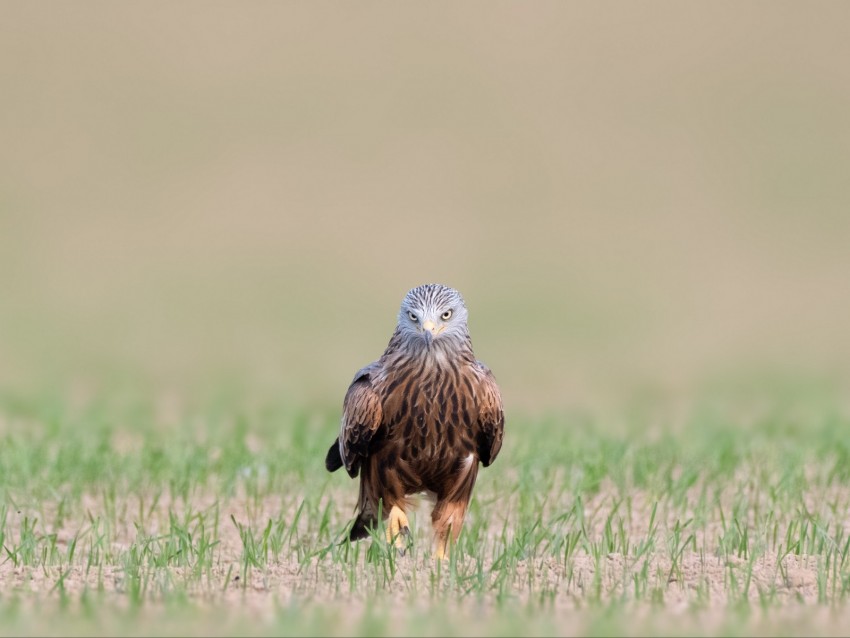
pixel 443 547
pixel 398 529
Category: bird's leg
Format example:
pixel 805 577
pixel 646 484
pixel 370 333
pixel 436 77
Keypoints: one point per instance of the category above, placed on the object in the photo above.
pixel 447 520
pixel 398 527
pixel 442 546
pixel 443 541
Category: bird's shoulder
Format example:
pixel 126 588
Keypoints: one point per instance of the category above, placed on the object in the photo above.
pixel 368 372
pixel 483 368
pixel 362 386
pixel 484 376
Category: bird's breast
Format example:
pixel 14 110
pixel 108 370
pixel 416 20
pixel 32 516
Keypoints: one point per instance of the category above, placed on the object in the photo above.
pixel 429 413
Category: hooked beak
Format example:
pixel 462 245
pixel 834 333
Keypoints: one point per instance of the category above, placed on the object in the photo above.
pixel 429 330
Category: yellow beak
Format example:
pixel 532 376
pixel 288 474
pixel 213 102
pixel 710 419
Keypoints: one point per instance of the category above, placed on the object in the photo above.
pixel 433 328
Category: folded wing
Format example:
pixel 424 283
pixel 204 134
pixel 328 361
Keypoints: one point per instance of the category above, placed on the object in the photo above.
pixel 361 418
pixel 491 416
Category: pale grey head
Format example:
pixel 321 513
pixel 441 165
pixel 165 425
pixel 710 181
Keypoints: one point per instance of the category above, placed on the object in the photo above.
pixel 433 314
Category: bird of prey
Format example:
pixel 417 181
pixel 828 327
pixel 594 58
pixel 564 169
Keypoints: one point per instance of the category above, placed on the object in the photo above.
pixel 420 419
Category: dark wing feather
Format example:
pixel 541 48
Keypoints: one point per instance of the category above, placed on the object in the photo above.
pixel 491 416
pixel 333 460
pixel 361 418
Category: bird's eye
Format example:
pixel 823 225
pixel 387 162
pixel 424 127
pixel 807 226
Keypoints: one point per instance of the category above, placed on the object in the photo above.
pixel 446 315
pixel 413 317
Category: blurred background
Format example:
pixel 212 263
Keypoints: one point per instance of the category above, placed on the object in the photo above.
pixel 635 199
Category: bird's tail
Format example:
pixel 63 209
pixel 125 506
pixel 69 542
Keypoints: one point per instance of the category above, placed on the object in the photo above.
pixel 362 524
pixel 367 510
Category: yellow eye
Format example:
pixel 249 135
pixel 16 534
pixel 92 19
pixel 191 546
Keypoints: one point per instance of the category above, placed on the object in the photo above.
pixel 446 315
pixel 412 316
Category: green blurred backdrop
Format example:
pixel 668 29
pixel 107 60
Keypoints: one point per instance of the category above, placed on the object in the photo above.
pixel 207 197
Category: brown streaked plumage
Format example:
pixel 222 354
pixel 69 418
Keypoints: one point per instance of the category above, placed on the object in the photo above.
pixel 420 419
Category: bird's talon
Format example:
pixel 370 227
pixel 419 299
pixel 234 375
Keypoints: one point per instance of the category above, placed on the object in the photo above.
pixel 398 529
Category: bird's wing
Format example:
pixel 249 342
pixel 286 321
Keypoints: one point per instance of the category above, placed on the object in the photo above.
pixel 491 416
pixel 361 418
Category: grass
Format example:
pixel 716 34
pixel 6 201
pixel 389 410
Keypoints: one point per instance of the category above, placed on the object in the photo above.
pixel 227 523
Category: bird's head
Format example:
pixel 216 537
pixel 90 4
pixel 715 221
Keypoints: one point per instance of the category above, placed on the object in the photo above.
pixel 433 313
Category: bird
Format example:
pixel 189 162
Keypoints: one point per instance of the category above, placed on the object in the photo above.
pixel 420 420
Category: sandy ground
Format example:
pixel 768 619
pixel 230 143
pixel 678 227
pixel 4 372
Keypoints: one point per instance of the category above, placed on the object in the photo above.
pixel 701 576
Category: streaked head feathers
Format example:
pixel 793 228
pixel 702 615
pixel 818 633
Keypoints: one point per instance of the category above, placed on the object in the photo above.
pixel 433 312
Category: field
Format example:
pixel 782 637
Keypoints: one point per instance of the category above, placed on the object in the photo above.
pixel 208 218
pixel 226 522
